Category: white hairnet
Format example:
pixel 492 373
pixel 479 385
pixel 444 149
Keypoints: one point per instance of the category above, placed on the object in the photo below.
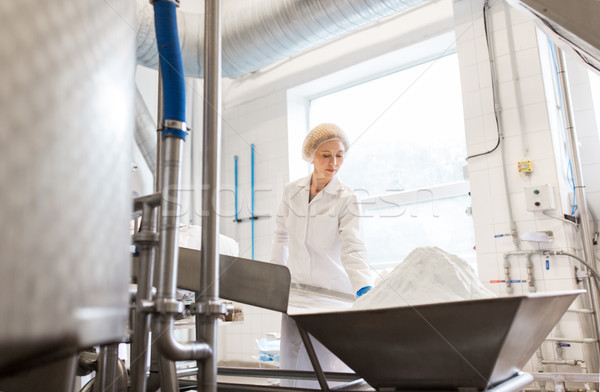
pixel 320 134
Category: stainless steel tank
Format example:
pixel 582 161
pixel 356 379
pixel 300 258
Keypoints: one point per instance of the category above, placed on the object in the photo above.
pixel 66 123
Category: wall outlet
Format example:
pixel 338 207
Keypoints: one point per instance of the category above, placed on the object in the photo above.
pixel 539 198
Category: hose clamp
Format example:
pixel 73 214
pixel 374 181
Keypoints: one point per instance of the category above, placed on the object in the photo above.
pixel 175 124
pixel 169 306
pixel 171 1
pixel 211 308
pixel 146 237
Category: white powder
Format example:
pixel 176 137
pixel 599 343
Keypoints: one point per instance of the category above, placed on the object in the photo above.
pixel 427 275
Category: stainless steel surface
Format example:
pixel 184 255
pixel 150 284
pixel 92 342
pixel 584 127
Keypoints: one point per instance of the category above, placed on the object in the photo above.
pixel 248 281
pixel 314 360
pixel 592 328
pixel 145 132
pixel 467 344
pixel 572 25
pixel 56 375
pixel 107 373
pixel 310 299
pixel 66 103
pixel 140 339
pixel 257 33
pixel 206 324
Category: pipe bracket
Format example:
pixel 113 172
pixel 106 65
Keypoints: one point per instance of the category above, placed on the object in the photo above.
pixel 211 308
pixel 169 306
pixel 176 2
pixel 146 238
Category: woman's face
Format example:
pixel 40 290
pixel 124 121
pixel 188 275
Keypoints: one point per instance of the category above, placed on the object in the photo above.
pixel 328 159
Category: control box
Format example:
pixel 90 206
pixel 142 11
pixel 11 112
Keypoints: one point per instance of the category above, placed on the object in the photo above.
pixel 539 198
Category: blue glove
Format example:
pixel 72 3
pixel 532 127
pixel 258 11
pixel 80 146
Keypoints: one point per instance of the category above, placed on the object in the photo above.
pixel 363 290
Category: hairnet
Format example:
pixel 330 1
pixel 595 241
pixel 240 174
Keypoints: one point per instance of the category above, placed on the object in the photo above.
pixel 320 134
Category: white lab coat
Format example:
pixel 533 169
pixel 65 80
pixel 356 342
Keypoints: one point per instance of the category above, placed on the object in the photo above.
pixel 321 244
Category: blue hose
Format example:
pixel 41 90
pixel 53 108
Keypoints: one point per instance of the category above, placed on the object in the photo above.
pixel 171 65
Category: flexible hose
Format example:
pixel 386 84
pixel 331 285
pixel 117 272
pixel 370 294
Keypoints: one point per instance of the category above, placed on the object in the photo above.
pixel 171 65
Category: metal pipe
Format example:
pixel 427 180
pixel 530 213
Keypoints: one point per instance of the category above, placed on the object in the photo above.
pixel 159 141
pixel 168 259
pixel 592 357
pixel 166 379
pixel 252 194
pixel 167 371
pixel 273 373
pixel 540 366
pixel 122 380
pixel 561 377
pixel 314 360
pixel 507 278
pixel 573 340
pixel 107 369
pixel 206 324
pixel 566 362
pixel 87 362
pixel 141 334
pixel 530 278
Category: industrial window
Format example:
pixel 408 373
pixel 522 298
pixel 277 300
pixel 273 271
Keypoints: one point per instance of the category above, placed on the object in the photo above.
pixel 406 158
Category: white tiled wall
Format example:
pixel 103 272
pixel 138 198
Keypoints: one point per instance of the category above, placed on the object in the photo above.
pixel 532 132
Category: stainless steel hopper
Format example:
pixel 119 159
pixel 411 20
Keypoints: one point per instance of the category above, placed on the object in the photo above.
pixel 445 346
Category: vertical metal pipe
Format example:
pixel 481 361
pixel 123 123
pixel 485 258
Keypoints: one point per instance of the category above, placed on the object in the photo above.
pixel 252 193
pixel 167 371
pixel 235 161
pixel 586 232
pixel 164 366
pixel 107 374
pixel 139 346
pixel 206 324
pixel 169 217
pixel 159 142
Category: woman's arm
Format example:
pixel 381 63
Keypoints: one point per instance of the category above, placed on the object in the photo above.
pixel 353 250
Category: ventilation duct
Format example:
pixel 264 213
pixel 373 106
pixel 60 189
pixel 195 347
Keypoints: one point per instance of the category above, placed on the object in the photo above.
pixel 145 132
pixel 257 33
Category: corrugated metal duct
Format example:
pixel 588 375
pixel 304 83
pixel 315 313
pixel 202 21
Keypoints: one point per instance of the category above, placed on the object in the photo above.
pixel 257 33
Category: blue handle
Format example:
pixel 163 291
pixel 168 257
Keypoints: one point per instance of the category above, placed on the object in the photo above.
pixel 363 291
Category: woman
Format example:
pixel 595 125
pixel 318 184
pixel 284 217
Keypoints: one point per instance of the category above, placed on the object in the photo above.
pixel 317 236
